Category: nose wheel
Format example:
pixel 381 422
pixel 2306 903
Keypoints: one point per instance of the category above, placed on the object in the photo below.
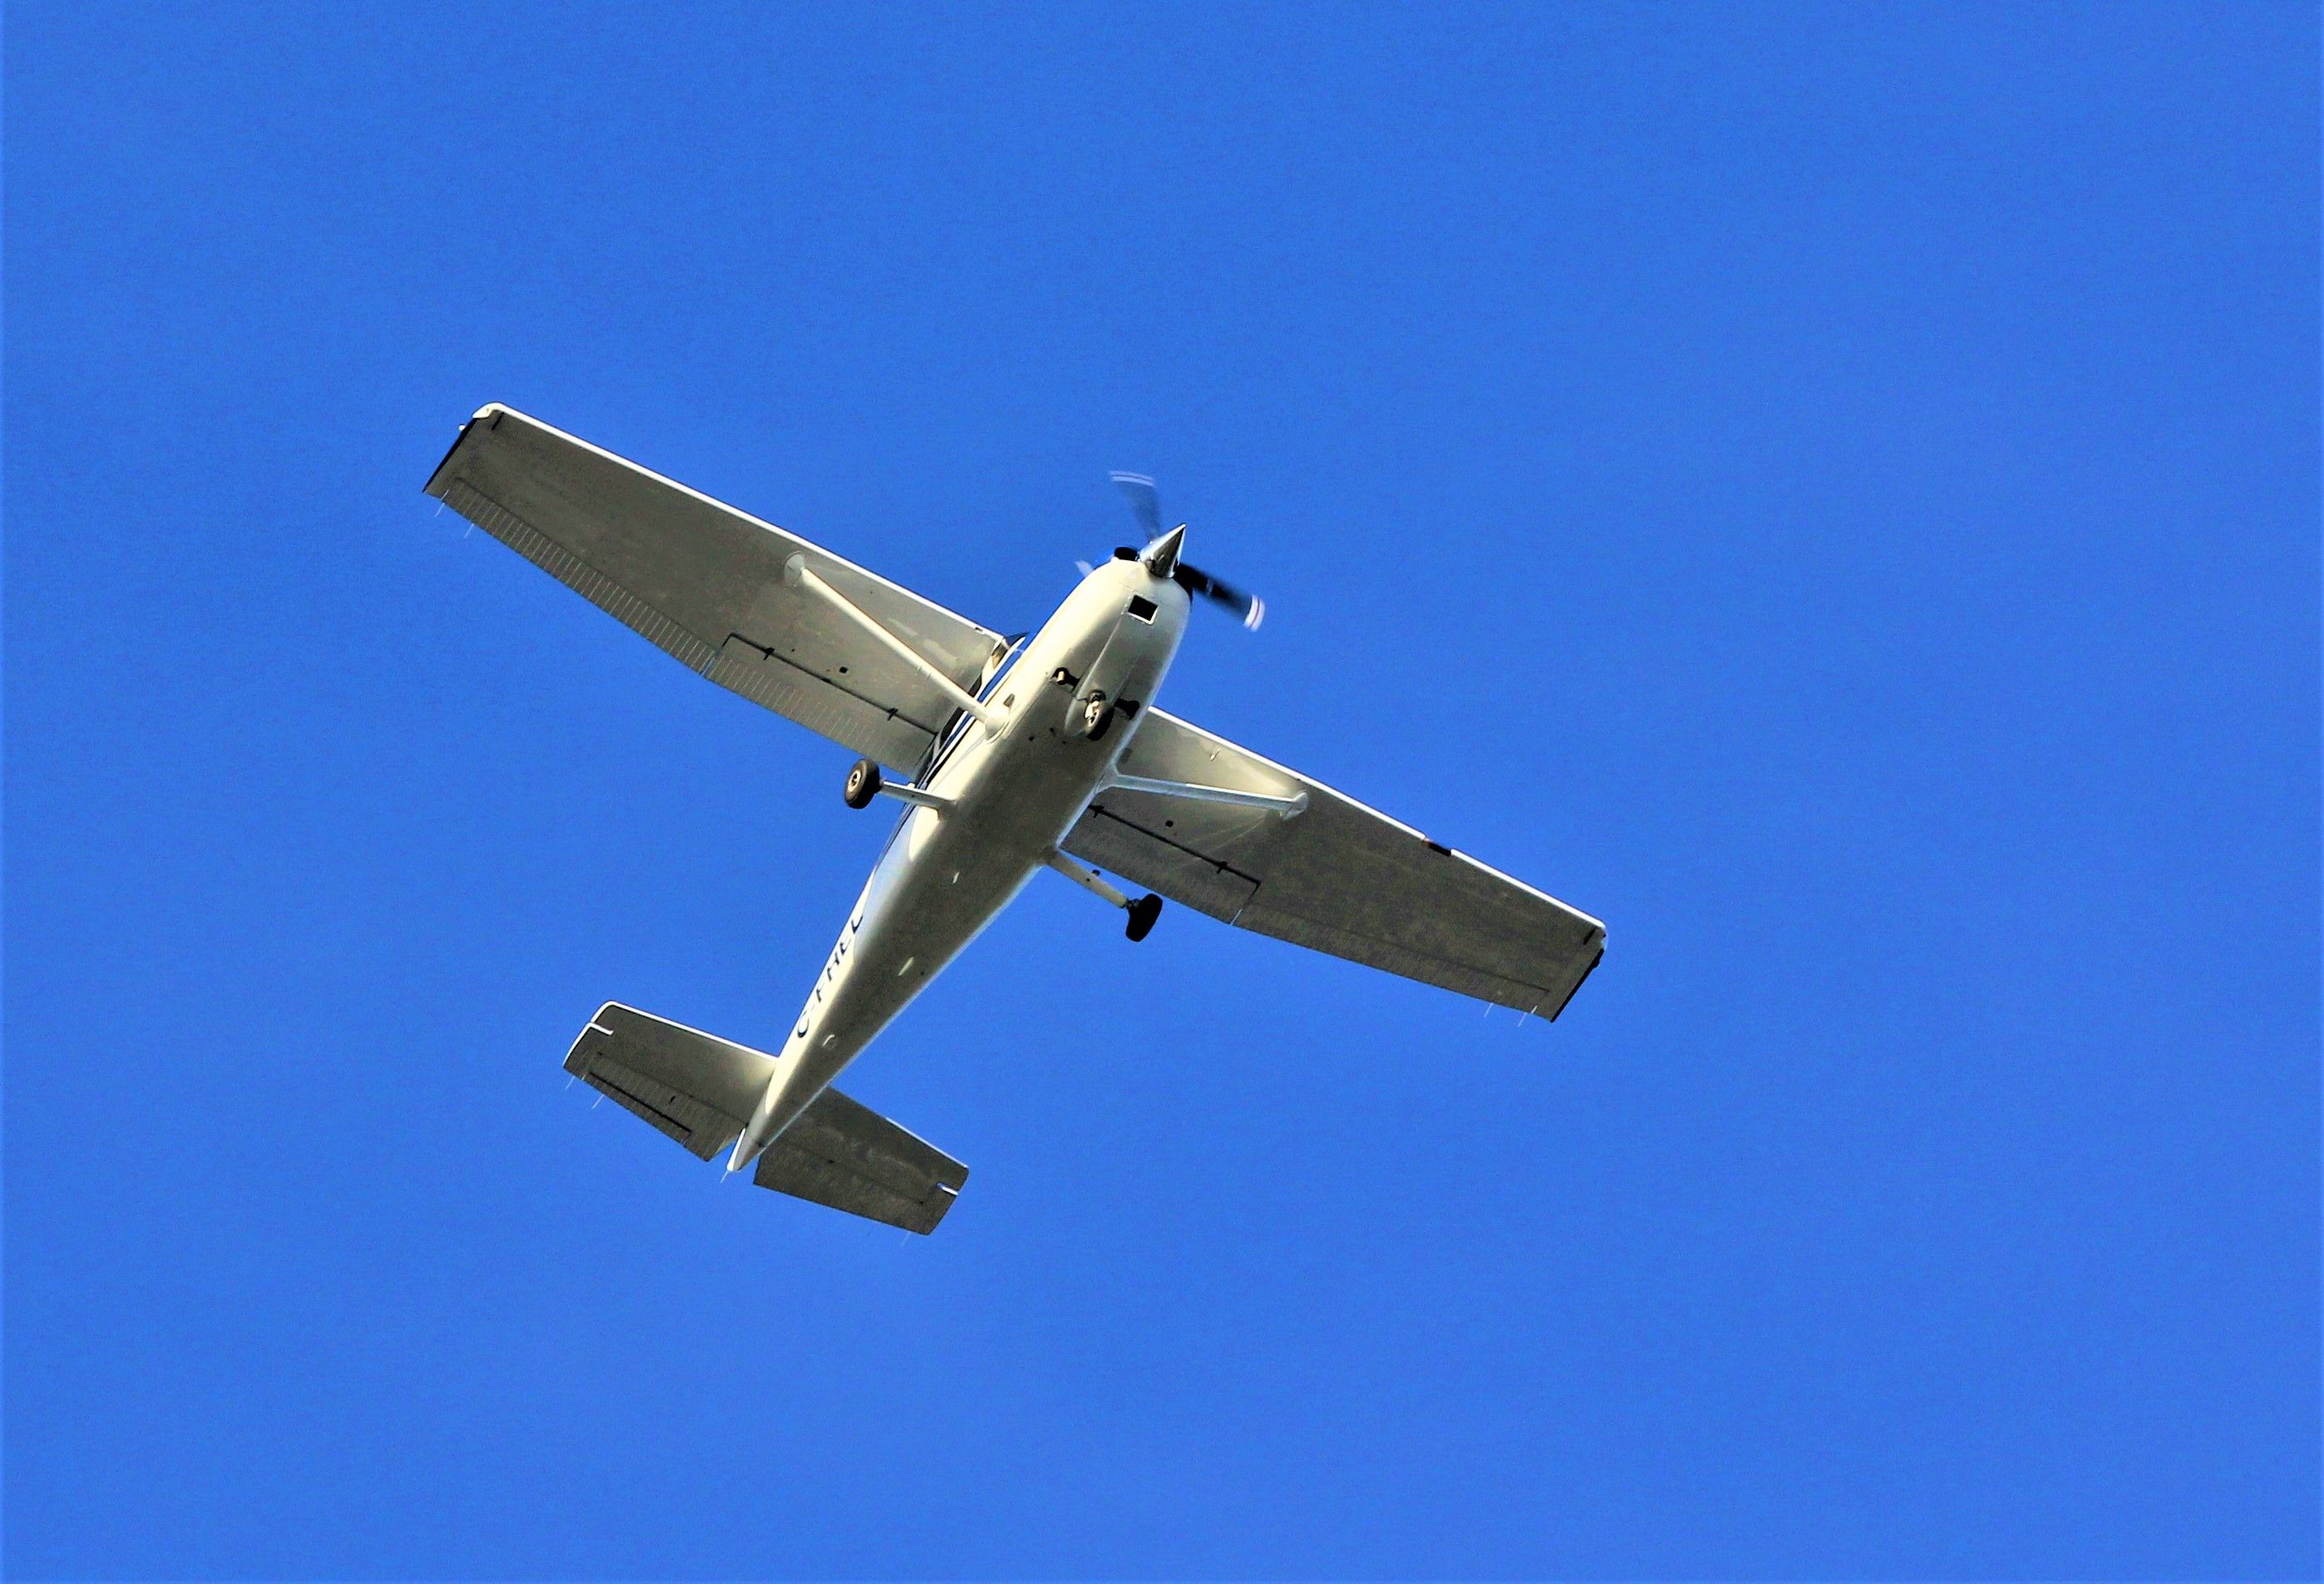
pixel 863 784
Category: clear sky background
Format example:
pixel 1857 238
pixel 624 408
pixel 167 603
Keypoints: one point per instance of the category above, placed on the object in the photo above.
pixel 1832 491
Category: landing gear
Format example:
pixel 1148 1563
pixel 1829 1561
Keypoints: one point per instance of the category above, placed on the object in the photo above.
pixel 1097 717
pixel 1142 911
pixel 1142 914
pixel 863 784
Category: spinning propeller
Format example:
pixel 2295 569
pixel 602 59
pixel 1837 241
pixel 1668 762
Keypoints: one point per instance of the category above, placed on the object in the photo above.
pixel 1139 490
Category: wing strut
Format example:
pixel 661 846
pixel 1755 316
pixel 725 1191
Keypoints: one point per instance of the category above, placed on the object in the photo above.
pixel 1284 807
pixel 797 573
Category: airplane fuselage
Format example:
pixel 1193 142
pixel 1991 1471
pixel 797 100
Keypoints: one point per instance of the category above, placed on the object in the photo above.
pixel 1010 793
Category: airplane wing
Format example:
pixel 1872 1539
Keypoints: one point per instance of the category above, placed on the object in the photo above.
pixel 701 1091
pixel 706 583
pixel 1337 877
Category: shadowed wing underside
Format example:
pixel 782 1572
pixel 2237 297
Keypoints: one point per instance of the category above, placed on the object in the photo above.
pixel 705 582
pixel 1337 877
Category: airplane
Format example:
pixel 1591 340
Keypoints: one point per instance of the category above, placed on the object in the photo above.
pixel 1011 754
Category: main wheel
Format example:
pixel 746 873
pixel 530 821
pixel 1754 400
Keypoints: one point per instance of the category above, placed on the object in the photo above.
pixel 1142 914
pixel 863 784
pixel 1097 717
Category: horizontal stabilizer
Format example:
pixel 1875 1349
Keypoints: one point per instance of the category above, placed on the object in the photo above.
pixel 696 1087
pixel 851 1157
pixel 701 1091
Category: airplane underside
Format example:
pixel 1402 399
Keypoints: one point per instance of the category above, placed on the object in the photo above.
pixel 1010 756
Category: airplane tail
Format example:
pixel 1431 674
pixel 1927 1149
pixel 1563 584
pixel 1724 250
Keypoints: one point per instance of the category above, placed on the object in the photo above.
pixel 702 1090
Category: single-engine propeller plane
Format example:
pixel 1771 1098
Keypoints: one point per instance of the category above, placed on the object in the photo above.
pixel 1009 754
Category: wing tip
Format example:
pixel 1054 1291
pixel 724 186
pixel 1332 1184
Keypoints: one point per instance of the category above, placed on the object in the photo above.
pixel 597 1026
pixel 1586 973
pixel 492 411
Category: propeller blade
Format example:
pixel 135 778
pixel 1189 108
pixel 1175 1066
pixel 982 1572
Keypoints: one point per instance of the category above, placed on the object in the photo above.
pixel 1147 507
pixel 1139 490
pixel 1249 607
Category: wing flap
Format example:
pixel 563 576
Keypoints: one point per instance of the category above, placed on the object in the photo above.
pixel 704 584
pixel 1113 835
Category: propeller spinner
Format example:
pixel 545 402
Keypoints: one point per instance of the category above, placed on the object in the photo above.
pixel 1147 507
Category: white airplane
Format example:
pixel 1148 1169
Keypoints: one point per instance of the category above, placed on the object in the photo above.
pixel 1013 755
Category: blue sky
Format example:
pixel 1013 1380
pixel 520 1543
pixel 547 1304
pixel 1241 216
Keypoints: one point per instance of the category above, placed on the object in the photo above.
pixel 1831 491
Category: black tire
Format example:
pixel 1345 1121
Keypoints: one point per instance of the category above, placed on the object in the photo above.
pixel 1142 914
pixel 1097 717
pixel 863 784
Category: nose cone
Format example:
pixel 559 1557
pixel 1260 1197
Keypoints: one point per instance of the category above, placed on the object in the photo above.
pixel 1161 557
